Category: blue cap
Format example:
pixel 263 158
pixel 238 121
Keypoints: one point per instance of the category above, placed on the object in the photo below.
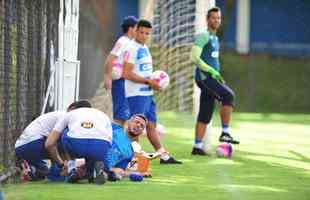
pixel 129 21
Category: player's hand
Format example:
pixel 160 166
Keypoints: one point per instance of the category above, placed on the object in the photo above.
pixel 107 82
pixel 153 84
pixel 64 169
pixel 220 79
pixel 216 75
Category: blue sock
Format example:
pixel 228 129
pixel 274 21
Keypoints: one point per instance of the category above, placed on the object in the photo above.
pixel 198 144
pixel 197 141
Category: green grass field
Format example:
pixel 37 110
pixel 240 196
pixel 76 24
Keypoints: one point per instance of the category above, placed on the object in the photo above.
pixel 272 162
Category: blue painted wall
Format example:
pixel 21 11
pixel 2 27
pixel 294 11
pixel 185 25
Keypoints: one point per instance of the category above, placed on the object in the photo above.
pixel 282 27
pixel 230 30
pixel 276 27
pixel 125 8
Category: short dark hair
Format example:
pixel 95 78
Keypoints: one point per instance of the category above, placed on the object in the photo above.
pixel 79 104
pixel 214 9
pixel 144 23
pixel 129 21
pixel 142 116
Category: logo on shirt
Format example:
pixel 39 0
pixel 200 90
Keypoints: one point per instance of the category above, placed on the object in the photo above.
pixel 142 52
pixel 145 67
pixel 215 54
pixel 87 125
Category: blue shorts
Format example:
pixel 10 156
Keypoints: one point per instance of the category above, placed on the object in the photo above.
pixel 119 101
pixel 144 105
pixel 34 153
pixel 90 149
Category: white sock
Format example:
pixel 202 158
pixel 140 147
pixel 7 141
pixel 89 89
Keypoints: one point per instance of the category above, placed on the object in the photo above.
pixel 199 145
pixel 162 150
pixel 225 130
pixel 165 156
pixel 71 165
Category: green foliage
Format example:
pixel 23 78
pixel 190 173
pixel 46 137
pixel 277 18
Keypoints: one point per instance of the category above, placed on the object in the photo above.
pixel 268 84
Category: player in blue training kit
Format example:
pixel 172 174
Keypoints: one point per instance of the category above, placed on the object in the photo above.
pixel 138 69
pixel 205 55
pixel 122 151
pixel 116 59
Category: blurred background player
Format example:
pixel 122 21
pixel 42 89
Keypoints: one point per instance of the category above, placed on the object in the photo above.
pixel 116 57
pixel 205 55
pixel 30 144
pixel 139 88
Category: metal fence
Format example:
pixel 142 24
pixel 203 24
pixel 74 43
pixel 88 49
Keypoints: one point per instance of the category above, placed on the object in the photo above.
pixel 174 30
pixel 27 29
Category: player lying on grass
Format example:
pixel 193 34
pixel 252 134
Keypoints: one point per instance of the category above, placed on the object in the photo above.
pixel 139 163
pixel 29 146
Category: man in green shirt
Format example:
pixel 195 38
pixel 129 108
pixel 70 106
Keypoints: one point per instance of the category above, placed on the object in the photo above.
pixel 205 55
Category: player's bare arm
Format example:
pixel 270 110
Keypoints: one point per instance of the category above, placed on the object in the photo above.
pixel 130 75
pixel 51 147
pixel 107 76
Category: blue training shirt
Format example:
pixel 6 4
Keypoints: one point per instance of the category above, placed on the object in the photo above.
pixel 121 152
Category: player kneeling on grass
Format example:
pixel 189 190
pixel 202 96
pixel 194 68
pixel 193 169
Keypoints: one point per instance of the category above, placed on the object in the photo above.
pixel 29 147
pixel 89 136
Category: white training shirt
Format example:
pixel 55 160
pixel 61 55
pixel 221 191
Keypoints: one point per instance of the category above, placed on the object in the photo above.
pixel 140 56
pixel 39 128
pixel 86 123
pixel 119 48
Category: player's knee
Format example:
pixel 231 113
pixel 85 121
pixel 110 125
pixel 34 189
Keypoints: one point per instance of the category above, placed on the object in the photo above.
pixel 204 118
pixel 229 98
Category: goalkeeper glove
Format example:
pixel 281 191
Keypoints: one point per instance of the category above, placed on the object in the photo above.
pixel 216 75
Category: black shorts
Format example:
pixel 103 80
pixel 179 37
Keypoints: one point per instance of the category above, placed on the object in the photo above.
pixel 211 89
